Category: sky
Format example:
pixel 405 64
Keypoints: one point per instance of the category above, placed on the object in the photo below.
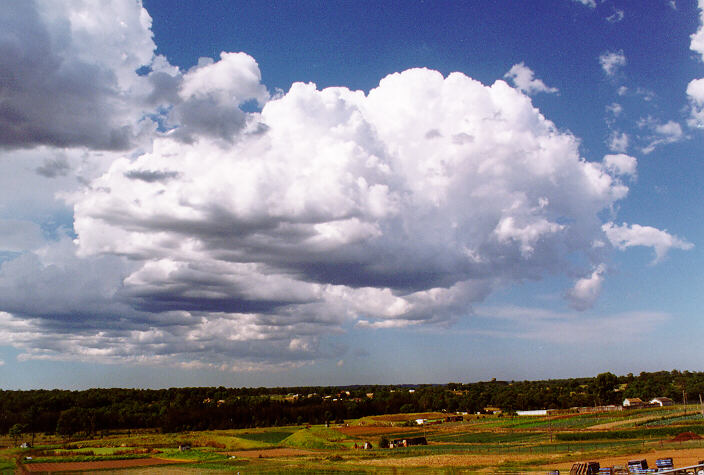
pixel 247 193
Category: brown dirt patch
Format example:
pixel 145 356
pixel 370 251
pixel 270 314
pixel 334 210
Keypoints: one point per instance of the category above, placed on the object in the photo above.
pixel 355 431
pixel 280 452
pixel 449 460
pixel 681 458
pixel 685 436
pixel 97 465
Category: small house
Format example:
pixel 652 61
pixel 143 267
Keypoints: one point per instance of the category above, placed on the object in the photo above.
pixel 633 402
pixel 661 401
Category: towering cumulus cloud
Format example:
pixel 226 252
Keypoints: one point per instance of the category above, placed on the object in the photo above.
pixel 394 208
pixel 235 239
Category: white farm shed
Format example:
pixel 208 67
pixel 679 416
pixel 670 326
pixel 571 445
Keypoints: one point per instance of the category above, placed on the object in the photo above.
pixel 537 412
pixel 661 401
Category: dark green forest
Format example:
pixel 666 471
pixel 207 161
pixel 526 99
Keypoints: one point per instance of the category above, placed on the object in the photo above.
pixel 96 411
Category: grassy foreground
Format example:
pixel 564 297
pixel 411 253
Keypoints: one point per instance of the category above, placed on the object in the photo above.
pixel 480 443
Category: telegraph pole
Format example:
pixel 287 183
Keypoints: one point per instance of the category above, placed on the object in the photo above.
pixel 684 401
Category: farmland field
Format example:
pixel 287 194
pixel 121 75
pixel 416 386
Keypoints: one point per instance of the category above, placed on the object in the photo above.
pixel 480 443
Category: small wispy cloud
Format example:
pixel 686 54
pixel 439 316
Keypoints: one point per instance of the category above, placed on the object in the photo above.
pixel 612 61
pixel 524 79
pixel 567 327
pixel 625 236
pixel 616 16
pixel 660 133
pixel 618 141
pixel 615 109
pixel 586 290
pixel 54 167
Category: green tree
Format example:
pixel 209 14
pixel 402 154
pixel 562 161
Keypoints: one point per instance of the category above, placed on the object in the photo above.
pixel 16 431
pixel 71 421
pixel 603 388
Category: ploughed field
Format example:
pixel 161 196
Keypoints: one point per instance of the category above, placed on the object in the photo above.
pixel 478 443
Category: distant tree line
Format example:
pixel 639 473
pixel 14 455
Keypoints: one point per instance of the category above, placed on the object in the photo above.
pixel 95 411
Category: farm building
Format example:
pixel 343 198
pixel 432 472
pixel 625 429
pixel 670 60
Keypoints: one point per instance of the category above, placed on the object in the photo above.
pixel 591 409
pixel 633 402
pixel 661 401
pixel 408 442
pixel 537 412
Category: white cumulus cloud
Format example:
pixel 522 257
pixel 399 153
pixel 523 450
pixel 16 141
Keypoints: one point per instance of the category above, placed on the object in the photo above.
pixel 697 38
pixel 695 92
pixel 695 89
pixel 399 207
pixel 69 73
pixel 238 240
pixel 621 164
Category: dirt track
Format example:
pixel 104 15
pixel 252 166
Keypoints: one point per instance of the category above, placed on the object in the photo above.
pixel 99 465
pixel 681 458
pixel 611 425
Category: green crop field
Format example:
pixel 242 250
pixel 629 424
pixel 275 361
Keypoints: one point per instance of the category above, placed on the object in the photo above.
pixel 480 443
pixel 269 437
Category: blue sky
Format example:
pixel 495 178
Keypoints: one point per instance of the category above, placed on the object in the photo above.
pixel 298 193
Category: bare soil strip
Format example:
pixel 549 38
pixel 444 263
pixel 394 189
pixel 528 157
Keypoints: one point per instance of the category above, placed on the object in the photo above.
pixel 353 431
pixel 406 417
pixel 450 460
pixel 280 452
pixel 98 465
